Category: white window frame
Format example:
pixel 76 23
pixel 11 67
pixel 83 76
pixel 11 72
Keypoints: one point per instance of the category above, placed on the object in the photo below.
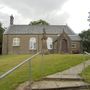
pixel 32 43
pixel 74 45
pixel 16 42
pixel 49 43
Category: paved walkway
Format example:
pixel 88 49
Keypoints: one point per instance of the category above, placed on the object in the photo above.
pixel 67 79
pixel 74 71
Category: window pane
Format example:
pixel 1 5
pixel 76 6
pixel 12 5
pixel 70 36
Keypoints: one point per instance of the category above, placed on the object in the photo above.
pixel 49 43
pixel 32 43
pixel 73 45
pixel 16 41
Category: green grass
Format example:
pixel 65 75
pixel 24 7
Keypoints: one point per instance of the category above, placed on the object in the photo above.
pixel 9 61
pixel 49 64
pixel 86 74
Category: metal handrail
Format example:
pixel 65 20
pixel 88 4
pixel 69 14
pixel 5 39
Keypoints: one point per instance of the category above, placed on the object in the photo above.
pixel 17 66
pixel 86 53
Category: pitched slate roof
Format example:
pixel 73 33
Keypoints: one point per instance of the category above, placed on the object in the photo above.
pixel 74 37
pixel 38 29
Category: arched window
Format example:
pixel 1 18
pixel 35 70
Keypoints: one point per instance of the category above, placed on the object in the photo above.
pixel 16 41
pixel 49 43
pixel 32 43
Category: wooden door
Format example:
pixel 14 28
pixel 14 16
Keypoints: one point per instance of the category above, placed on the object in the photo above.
pixel 64 45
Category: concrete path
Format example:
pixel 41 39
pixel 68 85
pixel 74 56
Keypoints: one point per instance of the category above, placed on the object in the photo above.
pixel 66 80
pixel 72 72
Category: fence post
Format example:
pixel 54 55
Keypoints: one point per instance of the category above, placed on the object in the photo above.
pixel 30 75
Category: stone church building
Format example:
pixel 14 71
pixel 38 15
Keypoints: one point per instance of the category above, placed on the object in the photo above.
pixel 25 39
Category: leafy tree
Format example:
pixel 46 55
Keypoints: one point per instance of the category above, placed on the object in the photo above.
pixel 39 22
pixel 85 40
pixel 1 37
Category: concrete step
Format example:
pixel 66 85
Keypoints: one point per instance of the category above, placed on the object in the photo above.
pixel 58 85
pixel 64 77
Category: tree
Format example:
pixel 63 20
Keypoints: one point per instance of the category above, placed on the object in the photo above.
pixel 39 22
pixel 1 37
pixel 85 40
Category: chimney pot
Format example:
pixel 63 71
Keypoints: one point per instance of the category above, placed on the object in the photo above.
pixel 11 20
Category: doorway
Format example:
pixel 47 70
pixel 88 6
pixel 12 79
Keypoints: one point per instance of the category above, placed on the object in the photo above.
pixel 64 46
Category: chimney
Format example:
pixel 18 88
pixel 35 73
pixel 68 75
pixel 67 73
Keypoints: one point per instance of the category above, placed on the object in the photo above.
pixel 11 20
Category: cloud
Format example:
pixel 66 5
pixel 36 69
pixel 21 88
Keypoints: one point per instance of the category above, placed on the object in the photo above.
pixel 4 19
pixel 7 10
pixel 36 9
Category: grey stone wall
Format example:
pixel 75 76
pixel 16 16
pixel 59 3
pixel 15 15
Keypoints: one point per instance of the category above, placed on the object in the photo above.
pixel 8 48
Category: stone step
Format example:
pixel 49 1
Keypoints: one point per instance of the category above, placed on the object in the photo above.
pixel 58 85
pixel 64 77
pixel 63 89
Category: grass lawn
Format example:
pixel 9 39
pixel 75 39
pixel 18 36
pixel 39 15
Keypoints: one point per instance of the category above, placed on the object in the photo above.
pixel 46 65
pixel 86 74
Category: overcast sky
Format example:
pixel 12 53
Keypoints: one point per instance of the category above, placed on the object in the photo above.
pixel 74 13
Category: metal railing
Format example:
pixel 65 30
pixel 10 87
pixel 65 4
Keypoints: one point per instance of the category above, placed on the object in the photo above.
pixel 17 66
pixel 86 53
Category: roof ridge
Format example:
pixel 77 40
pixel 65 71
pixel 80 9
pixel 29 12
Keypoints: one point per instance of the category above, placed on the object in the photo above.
pixel 35 25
